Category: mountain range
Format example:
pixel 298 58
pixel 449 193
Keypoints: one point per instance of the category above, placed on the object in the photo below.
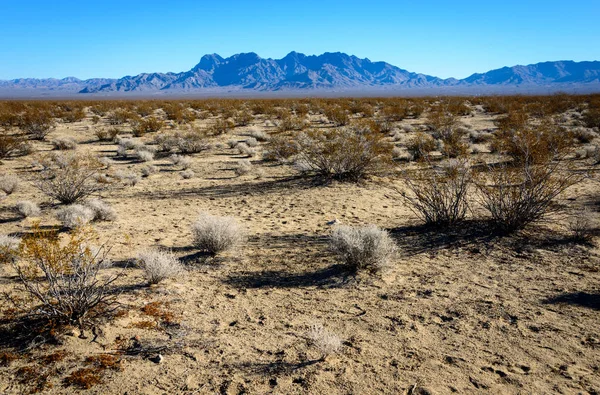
pixel 296 73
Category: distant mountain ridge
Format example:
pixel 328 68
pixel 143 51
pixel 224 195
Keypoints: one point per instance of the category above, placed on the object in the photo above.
pixel 329 71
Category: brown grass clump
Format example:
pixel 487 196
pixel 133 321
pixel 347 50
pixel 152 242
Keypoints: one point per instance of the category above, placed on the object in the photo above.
pixel 420 145
pixel 342 154
pixel 84 378
pixel 6 358
pixel 35 377
pixel 337 115
pixel 10 144
pixel 159 311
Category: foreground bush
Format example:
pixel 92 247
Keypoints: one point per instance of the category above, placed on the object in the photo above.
pixel 159 265
pixel 342 154
pixel 65 279
pixel 10 144
pixel 516 195
pixel 365 248
pixel 9 183
pixel 216 234
pixel 70 177
pixel 439 195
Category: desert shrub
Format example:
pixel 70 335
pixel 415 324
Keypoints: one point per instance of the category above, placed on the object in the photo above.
pixel 148 170
pixel 9 183
pixel 281 148
pixel 591 118
pixel 27 208
pixel 102 210
pixel 65 278
pixel 479 137
pixel 220 126
pixel 438 195
pixel 342 153
pixel 10 144
pixel 337 115
pixel 216 234
pixel 75 215
pixel 149 125
pixel 187 174
pixel 191 142
pixel 37 124
pixel 159 265
pixel 128 178
pixel 65 143
pixel 395 112
pixel 69 177
pixel 583 135
pixel 325 341
pixel 242 118
pixel 180 160
pixel 364 248
pixel 290 122
pixel 532 143
pixel 107 134
pixel 581 227
pixel 258 134
pixel 420 145
pixel 445 127
pixel 251 142
pixel 516 195
pixel 121 116
pixel 243 167
pixel 243 149
pixel 144 155
pixel 9 248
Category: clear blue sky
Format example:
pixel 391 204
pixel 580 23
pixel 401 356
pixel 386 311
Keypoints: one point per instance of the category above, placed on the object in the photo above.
pixel 87 38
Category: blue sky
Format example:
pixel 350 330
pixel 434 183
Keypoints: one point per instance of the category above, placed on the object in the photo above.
pixel 41 38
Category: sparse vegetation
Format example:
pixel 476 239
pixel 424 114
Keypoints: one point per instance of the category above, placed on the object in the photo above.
pixel 159 265
pixel 216 234
pixel 364 248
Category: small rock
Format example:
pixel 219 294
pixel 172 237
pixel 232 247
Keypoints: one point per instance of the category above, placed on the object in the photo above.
pixel 156 359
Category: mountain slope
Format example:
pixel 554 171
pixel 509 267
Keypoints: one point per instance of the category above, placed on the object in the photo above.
pixel 327 72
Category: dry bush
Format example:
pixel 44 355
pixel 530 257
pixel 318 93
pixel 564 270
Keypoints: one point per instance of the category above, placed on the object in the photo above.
pixel 242 167
pixel 191 142
pixel 65 278
pixel 337 115
pixel 64 143
pixel 243 149
pixel 251 142
pixel 242 118
pixel 27 208
pixel 532 143
pixel 363 248
pixel 591 118
pixel 149 125
pixel 9 248
pixel 10 144
pixel 37 124
pixel 258 134
pixel 69 177
pixel 446 128
pixel 9 183
pixel 187 174
pixel 290 122
pixel 438 195
pixel 179 160
pixel 420 145
pixel 325 341
pixel 121 116
pixel 148 170
pixel 216 234
pixel 159 265
pixel 220 126
pixel 144 155
pixel 102 210
pixel 128 178
pixel 342 154
pixel 107 134
pixel 583 135
pixel 280 148
pixel 518 194
pixel 581 227
pixel 75 215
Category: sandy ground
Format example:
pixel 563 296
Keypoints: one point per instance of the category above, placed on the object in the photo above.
pixel 457 313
